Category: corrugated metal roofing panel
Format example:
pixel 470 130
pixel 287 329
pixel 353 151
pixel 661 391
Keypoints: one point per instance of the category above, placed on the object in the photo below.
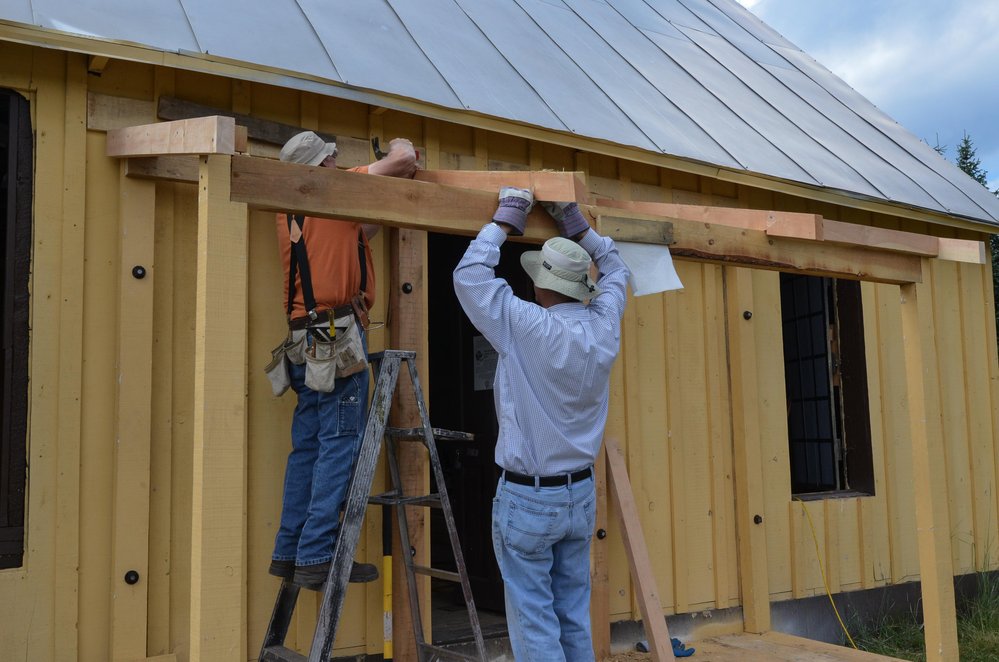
pixel 231 28
pixel 18 11
pixel 579 104
pixel 162 25
pixel 722 126
pixel 492 85
pixel 698 79
pixel 907 143
pixel 828 136
pixel 371 48
pixel 653 114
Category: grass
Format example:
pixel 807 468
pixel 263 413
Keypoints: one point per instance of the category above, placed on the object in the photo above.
pixel 977 629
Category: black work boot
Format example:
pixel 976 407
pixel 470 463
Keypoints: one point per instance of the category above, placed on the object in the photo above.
pixel 313 577
pixel 282 569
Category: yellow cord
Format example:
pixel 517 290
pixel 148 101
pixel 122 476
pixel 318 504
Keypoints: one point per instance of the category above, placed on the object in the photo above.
pixel 825 582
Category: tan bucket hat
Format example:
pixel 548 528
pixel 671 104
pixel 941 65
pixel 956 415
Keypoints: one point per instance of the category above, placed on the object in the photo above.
pixel 308 148
pixel 561 265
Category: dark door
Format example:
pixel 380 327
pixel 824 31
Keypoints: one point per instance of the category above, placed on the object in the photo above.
pixel 461 398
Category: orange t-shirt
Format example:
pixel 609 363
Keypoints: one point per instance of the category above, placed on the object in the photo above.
pixel 333 261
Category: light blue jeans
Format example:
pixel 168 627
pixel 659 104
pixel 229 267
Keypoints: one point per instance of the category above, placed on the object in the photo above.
pixel 542 541
pixel 326 436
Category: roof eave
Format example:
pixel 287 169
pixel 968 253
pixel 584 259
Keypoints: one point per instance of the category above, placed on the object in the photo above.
pixel 208 64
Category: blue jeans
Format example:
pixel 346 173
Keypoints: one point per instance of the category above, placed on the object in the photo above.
pixel 542 541
pixel 326 434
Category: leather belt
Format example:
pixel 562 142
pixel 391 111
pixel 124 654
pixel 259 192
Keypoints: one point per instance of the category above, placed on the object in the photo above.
pixel 547 481
pixel 322 319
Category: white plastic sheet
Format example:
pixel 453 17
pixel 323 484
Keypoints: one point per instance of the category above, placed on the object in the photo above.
pixel 651 268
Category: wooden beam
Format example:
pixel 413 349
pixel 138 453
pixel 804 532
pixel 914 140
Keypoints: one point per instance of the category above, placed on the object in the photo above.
pixel 642 576
pixel 204 135
pixel 795 225
pixel 105 112
pixel 183 169
pixel 547 185
pixel 750 527
pixel 936 565
pixel 434 207
pixel 275 133
pixel 623 228
pixel 130 539
pixel 217 629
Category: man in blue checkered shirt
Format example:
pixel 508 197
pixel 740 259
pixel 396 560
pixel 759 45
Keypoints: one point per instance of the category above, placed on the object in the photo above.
pixel 551 393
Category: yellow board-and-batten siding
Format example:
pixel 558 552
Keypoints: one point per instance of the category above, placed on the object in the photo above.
pixel 671 390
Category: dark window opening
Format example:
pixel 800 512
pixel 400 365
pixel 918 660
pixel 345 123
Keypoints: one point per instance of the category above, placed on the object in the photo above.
pixel 825 373
pixel 15 243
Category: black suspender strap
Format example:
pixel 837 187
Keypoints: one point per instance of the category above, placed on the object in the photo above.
pixel 300 259
pixel 362 258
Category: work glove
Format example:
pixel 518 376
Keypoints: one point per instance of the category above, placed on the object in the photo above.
pixel 567 217
pixel 514 206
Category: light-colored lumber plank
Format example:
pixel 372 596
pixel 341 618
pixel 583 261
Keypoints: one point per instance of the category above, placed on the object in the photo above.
pixel 551 186
pixel 130 508
pixel 751 538
pixel 796 226
pixel 638 555
pixel 202 135
pixel 936 568
pixel 962 250
pixel 405 203
pixel 852 234
pixel 218 526
pixel 748 219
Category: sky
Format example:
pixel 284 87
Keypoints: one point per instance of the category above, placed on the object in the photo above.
pixel 931 65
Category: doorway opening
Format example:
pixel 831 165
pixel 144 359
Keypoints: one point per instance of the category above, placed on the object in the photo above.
pixel 462 365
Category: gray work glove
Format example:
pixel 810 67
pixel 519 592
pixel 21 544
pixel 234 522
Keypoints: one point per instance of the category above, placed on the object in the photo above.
pixel 514 206
pixel 567 217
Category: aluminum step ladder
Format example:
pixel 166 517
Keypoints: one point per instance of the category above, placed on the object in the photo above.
pixel 387 366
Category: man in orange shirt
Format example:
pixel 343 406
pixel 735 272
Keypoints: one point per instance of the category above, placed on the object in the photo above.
pixel 329 286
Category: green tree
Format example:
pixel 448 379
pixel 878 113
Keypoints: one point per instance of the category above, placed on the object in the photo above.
pixel 968 161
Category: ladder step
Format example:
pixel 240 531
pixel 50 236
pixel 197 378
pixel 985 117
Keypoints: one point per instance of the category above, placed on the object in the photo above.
pixel 447 653
pixel 437 574
pixel 392 499
pixel 416 434
pixel 281 654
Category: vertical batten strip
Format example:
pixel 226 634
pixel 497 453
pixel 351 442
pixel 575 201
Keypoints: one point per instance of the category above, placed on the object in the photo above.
pixel 130 515
pixel 749 502
pixel 218 526
pixel 67 566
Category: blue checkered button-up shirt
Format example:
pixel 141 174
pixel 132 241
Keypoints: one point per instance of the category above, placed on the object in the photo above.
pixel 553 376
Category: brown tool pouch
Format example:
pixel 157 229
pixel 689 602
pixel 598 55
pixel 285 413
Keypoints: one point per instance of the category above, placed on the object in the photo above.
pixel 326 360
pixel 361 310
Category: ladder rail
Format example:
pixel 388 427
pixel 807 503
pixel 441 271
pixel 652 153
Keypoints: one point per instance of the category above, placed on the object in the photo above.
pixel 435 464
pixel 357 502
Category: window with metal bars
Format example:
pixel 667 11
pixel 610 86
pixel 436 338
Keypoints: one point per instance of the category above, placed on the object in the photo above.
pixel 15 201
pixel 825 373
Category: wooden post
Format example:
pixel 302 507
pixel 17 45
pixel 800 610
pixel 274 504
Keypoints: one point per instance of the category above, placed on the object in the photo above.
pixel 751 539
pixel 408 331
pixel 638 555
pixel 130 538
pixel 218 535
pixel 936 569
pixel 599 568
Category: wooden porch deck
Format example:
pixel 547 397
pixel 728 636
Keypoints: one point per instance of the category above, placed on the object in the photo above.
pixel 773 646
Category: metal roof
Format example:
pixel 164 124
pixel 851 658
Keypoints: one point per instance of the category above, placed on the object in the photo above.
pixel 701 80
